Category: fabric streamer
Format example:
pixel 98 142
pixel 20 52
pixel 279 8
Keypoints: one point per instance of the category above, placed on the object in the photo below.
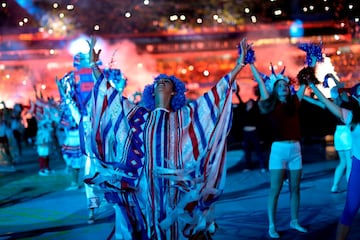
pixel 116 78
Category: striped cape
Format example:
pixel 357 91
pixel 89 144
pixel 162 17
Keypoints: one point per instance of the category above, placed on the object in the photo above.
pixel 164 170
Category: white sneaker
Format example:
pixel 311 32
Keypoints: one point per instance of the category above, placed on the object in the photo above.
pixel 43 173
pixel 48 171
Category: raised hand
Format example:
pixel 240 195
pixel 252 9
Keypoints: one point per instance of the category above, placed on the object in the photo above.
pixel 94 55
pixel 243 47
pixel 246 53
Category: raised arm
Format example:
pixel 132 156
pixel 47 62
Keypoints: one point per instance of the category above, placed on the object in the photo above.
pixel 334 109
pixel 240 64
pixel 301 92
pixel 264 94
pixel 335 79
pixel 94 56
pixel 314 101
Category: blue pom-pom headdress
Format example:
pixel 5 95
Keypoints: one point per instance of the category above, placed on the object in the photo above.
pixel 273 78
pixel 312 49
pixel 177 101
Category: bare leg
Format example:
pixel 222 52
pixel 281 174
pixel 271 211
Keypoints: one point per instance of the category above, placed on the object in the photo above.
pixel 295 176
pixel 276 181
pixel 344 158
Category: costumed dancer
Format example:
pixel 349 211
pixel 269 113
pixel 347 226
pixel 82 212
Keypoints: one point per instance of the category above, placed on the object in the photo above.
pixel 352 119
pixel 47 115
pixel 163 160
pixel 281 102
pixel 76 99
pixel 71 151
pixel 342 135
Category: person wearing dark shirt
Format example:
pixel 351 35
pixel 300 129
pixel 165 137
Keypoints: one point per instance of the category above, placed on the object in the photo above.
pixel 282 109
pixel 251 120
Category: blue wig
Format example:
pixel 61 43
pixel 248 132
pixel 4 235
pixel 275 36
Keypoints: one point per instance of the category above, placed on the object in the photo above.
pixel 177 101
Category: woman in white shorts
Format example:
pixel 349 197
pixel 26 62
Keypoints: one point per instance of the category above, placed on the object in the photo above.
pixel 282 108
pixel 342 141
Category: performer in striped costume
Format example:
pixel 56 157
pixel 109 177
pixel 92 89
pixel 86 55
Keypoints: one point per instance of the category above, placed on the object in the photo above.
pixel 76 145
pixel 47 116
pixel 161 162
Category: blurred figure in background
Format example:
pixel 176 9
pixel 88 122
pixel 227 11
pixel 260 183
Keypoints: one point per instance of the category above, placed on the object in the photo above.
pixel 352 119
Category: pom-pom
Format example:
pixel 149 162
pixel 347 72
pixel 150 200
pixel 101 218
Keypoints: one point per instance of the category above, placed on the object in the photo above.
pixel 250 55
pixel 307 75
pixel 312 50
pixel 116 78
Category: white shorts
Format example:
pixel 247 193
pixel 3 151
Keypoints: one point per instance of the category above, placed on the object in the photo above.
pixel 285 155
pixel 342 138
pixel 43 150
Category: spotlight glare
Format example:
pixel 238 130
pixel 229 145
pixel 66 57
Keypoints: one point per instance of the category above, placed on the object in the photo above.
pixel 206 73
pixel 296 29
pixel 253 19
pixel 127 14
pixel 70 7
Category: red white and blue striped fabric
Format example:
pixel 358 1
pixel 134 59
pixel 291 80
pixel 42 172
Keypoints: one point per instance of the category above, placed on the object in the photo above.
pixel 172 164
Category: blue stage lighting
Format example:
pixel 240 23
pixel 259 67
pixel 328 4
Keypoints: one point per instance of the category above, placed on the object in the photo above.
pixel 296 29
